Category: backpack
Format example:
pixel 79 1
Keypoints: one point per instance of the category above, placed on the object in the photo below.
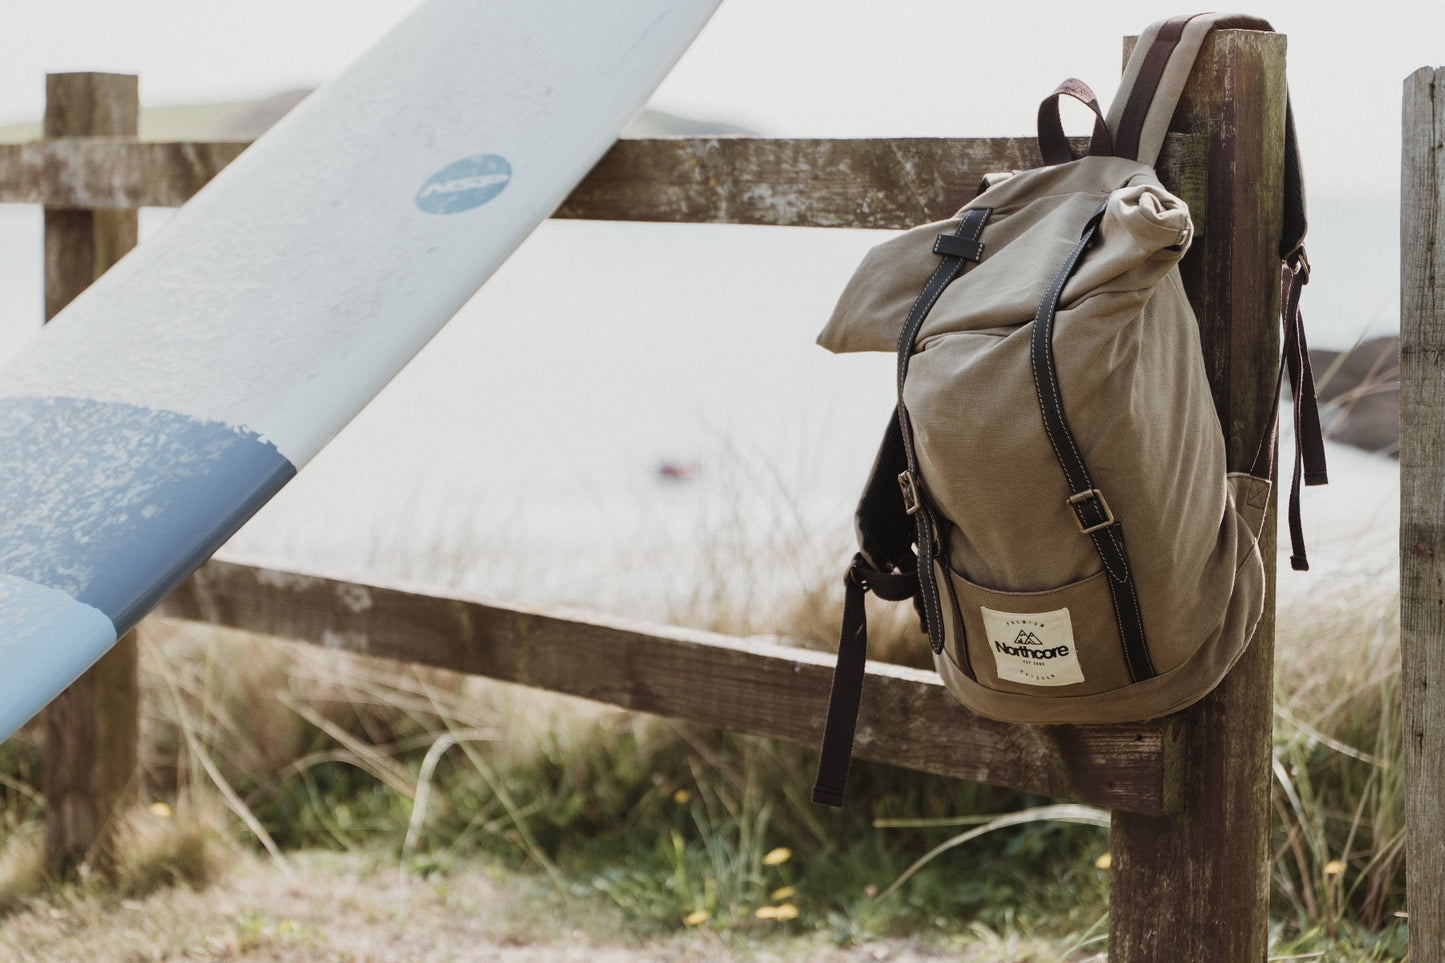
pixel 1052 397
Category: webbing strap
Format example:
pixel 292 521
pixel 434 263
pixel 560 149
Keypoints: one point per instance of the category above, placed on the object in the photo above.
pixel 1090 507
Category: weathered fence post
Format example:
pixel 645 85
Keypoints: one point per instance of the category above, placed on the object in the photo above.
pixel 1195 886
pixel 90 729
pixel 1422 505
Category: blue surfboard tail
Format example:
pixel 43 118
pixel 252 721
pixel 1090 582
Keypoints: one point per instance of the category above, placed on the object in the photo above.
pixel 33 618
pixel 113 505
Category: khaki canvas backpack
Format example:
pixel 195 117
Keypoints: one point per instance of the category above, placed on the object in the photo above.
pixel 1052 491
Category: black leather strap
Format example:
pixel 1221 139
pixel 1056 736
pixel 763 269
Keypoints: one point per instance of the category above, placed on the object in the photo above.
pixel 883 573
pixel 836 756
pixel 964 242
pixel 1090 506
pixel 1309 449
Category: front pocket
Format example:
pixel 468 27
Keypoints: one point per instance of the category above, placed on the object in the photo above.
pixel 1062 641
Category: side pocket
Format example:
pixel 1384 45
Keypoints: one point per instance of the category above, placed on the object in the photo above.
pixel 1063 641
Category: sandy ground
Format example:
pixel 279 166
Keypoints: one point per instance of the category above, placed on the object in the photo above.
pixel 347 908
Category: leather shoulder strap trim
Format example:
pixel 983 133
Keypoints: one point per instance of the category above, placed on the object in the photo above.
pixel 1090 507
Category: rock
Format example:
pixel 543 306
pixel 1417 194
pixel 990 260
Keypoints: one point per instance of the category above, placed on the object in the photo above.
pixel 1359 394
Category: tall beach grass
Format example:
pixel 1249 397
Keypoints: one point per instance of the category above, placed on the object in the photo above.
pixel 253 743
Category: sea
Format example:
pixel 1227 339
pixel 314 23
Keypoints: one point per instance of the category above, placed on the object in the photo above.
pixel 635 419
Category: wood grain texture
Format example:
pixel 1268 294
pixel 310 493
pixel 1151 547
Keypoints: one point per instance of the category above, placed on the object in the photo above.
pixel 91 729
pixel 110 172
pixel 878 183
pixel 1422 510
pixel 1204 875
pixel 757 687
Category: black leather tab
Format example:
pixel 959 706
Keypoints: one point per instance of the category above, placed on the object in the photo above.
pixel 951 245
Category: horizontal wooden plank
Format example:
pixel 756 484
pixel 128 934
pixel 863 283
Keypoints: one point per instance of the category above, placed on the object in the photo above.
pixel 110 172
pixel 872 183
pixel 756 687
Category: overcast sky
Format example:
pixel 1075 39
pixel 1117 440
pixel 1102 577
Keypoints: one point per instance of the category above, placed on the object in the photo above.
pixel 783 67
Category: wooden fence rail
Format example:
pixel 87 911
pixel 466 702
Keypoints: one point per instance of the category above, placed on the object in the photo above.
pixel 1189 794
pixel 761 688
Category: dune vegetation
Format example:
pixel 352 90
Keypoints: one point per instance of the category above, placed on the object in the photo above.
pixel 258 755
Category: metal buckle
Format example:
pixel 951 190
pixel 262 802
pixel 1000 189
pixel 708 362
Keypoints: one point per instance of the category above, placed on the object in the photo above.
pixel 909 484
pixel 1076 500
pixel 1299 263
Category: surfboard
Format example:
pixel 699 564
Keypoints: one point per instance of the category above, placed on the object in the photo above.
pixel 179 392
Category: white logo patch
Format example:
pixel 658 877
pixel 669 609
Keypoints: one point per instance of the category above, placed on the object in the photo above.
pixel 1035 648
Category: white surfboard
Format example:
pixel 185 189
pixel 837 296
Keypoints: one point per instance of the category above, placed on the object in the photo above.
pixel 175 396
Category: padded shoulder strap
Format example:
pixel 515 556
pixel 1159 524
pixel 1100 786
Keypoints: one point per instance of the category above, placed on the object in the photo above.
pixel 1153 81
pixel 1155 76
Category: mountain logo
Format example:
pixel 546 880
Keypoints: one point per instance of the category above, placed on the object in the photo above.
pixel 1033 648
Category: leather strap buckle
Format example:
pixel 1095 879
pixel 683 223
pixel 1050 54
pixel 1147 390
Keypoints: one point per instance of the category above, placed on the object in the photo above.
pixel 1299 264
pixel 909 484
pixel 1076 500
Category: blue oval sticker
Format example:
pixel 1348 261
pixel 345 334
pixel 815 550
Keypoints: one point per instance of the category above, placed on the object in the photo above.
pixel 464 184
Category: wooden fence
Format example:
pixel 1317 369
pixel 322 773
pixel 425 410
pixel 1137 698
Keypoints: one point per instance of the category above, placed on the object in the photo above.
pixel 1422 505
pixel 1189 795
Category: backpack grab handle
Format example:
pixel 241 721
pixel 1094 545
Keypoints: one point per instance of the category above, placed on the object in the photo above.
pixel 1053 145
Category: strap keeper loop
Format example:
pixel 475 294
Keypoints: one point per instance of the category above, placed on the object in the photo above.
pixel 951 245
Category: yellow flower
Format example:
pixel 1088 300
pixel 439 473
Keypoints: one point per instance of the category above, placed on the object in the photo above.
pixel 1334 868
pixel 777 857
pixel 696 918
pixel 786 911
pixel 682 797
pixel 782 893
pixel 1104 861
pixel 160 809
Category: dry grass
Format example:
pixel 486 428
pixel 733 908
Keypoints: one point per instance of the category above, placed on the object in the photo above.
pixel 353 908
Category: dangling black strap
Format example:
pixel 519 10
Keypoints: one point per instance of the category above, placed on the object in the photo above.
pixel 1091 510
pixel 1309 449
pixel 847 693
pixel 863 575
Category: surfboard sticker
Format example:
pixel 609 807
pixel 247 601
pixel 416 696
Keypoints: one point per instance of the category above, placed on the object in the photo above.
pixel 464 185
pixel 178 392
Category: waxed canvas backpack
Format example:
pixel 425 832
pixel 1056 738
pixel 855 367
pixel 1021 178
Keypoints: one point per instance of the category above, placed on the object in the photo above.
pixel 1052 491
